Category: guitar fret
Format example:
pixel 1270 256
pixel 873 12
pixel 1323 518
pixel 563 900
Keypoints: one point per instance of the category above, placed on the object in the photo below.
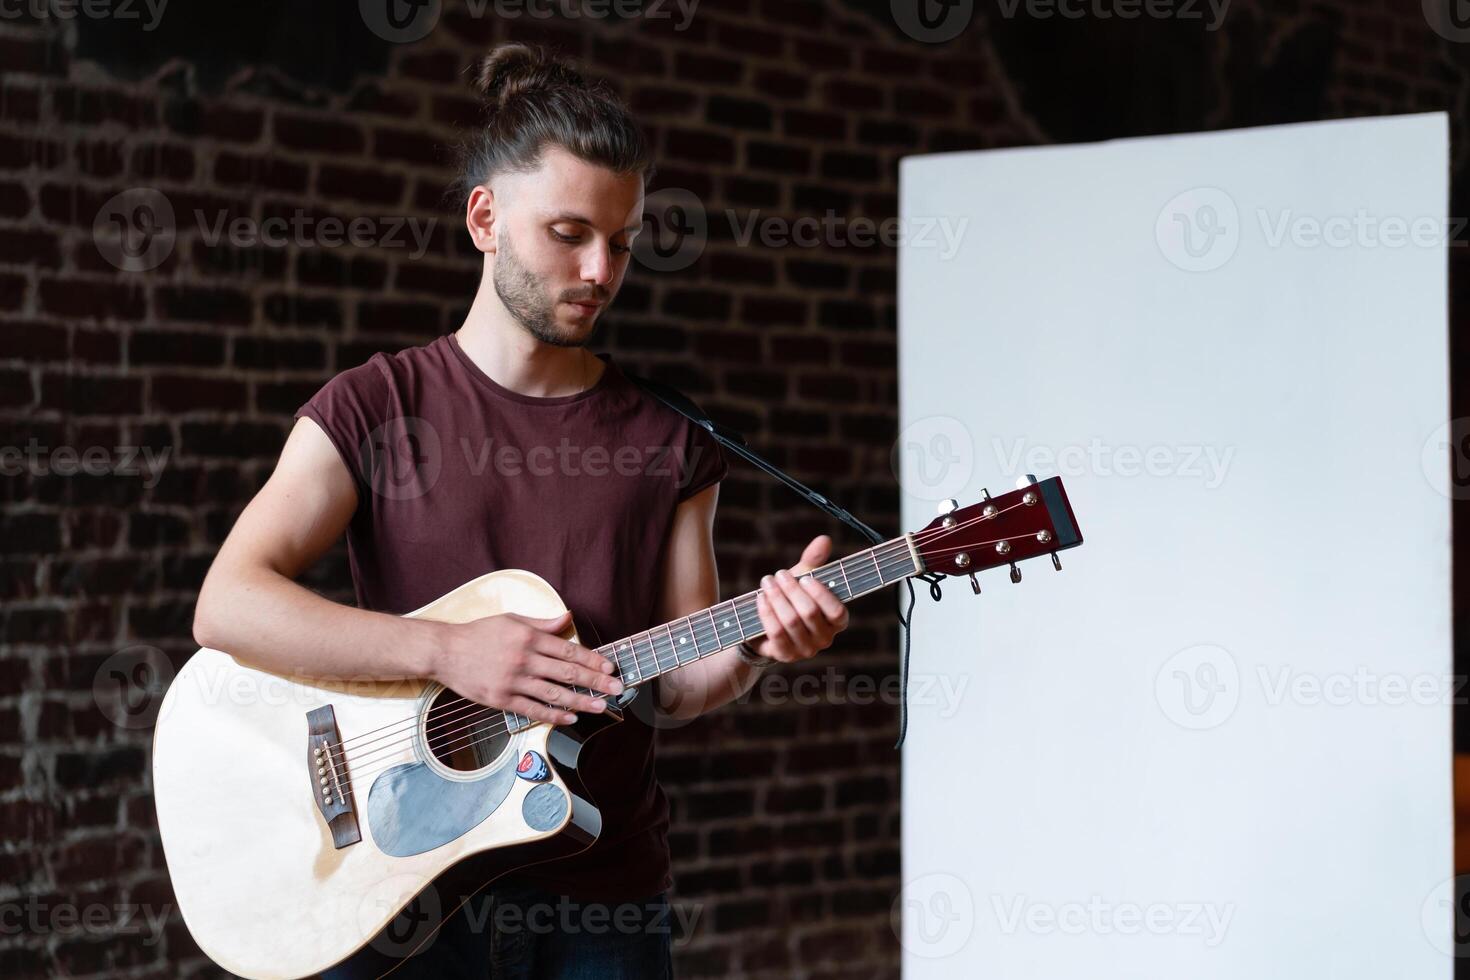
pixel 671 645
pixel 714 635
pixel 648 660
pixel 845 583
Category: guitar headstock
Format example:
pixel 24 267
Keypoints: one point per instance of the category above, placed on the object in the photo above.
pixel 1034 520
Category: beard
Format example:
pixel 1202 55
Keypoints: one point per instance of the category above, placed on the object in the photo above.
pixel 526 300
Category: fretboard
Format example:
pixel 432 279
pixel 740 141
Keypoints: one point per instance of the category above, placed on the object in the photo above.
pixel 644 656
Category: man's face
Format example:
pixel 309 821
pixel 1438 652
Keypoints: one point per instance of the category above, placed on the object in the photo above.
pixel 563 238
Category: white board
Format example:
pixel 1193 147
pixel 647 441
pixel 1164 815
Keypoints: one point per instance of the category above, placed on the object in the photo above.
pixel 1217 744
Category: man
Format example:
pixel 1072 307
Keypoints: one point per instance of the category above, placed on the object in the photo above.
pixel 437 464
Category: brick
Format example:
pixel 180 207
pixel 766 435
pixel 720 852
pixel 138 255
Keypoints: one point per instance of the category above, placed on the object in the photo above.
pixel 78 394
pixel 397 317
pixel 408 146
pixel 792 161
pixel 806 124
pixel 96 299
pixel 823 55
pixel 698 146
pixel 20 103
pixel 850 95
pixel 33 56
pixel 739 113
pixel 30 247
pixel 194 393
pixel 277 353
pixel 658 100
pixel 169 347
pixel 359 184
pixel 22 153
pixel 704 68
pixel 93 107
pixel 702 304
pixel 15 200
pixel 750 40
pixel 236 124
pixel 773 310
pixel 169 161
pixel 270 173
pixel 17 388
pixel 314 134
pixel 778 84
pixel 98 158
pixel 33 533
pixel 237 439
pixel 203 304
pixel 843 165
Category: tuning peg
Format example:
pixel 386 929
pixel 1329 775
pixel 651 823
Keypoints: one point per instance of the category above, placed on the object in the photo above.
pixel 1015 573
pixel 948 506
pixel 1056 562
pixel 974 583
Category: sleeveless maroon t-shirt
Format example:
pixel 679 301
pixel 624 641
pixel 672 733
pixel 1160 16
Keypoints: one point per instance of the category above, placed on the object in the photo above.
pixel 457 476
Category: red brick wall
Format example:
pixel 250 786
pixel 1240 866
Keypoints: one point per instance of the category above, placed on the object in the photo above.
pixel 786 817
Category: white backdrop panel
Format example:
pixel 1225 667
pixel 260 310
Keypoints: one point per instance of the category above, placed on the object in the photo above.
pixel 1218 743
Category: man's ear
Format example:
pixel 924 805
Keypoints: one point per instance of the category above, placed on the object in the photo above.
pixel 479 218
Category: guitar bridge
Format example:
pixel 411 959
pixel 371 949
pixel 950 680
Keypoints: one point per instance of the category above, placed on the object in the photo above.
pixel 327 766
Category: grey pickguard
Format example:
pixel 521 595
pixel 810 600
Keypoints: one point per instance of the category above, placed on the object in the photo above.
pixel 411 809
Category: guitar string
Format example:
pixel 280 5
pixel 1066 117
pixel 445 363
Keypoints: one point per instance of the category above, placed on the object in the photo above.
pixel 700 633
pixel 893 545
pixel 889 550
pixel 639 661
pixel 639 658
pixel 466 736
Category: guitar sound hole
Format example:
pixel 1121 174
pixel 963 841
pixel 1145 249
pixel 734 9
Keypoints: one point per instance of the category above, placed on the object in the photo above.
pixel 463 735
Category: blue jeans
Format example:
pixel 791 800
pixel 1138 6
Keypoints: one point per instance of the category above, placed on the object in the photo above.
pixel 514 931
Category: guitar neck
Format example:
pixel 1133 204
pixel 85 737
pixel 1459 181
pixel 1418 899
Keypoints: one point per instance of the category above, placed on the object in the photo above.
pixel 644 656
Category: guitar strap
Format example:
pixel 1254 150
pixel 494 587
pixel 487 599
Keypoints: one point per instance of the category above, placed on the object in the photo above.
pixel 735 443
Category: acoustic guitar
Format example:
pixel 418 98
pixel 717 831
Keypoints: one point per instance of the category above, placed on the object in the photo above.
pixel 300 817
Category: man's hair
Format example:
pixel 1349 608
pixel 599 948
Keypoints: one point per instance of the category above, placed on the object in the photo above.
pixel 532 100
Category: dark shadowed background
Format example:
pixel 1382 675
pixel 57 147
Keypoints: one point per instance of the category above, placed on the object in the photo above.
pixel 786 814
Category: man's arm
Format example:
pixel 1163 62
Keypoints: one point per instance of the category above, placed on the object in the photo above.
pixel 251 608
pixel 691 582
pixel 799 618
pixel 249 605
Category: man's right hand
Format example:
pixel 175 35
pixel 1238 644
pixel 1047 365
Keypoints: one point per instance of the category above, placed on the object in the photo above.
pixel 520 664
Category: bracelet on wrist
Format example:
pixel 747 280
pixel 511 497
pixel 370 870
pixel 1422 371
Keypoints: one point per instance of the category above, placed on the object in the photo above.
pixel 750 658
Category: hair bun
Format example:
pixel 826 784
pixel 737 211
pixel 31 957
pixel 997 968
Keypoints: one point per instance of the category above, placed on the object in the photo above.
pixel 513 69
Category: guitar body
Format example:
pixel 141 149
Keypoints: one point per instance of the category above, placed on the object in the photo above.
pixel 300 817
pixel 275 883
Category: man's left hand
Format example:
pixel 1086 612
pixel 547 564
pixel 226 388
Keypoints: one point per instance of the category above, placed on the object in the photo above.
pixel 800 615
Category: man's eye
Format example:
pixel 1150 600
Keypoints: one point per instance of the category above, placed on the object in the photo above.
pixel 622 249
pixel 563 238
